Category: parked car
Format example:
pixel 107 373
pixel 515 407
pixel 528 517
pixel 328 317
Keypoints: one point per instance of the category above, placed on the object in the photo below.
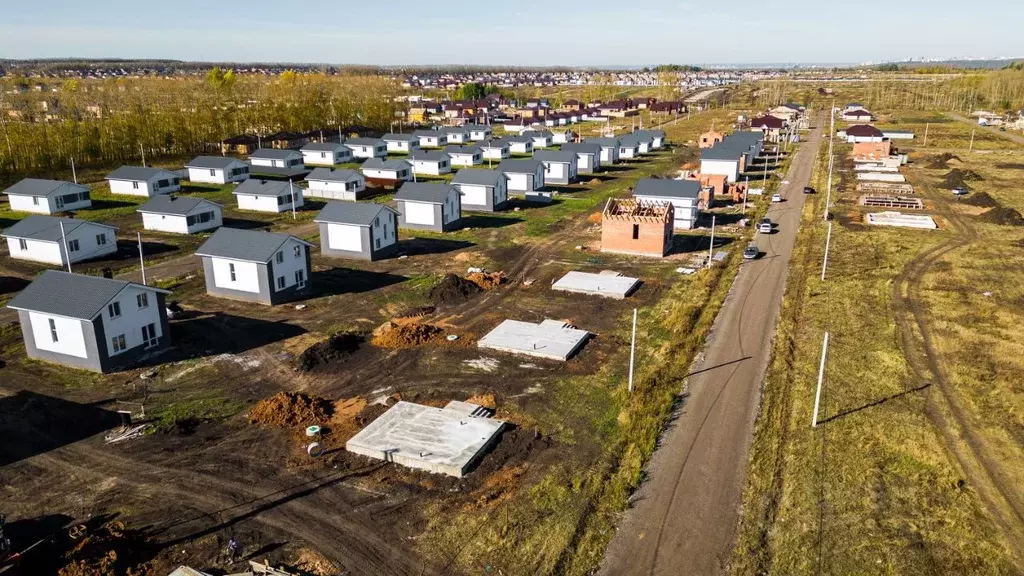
pixel 776 197
pixel 751 252
pixel 765 226
pixel 808 190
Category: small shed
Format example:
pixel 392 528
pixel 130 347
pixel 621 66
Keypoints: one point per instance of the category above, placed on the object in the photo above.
pixel 386 171
pixel 255 266
pixel 464 155
pixel 524 175
pixel 180 214
pixel 334 184
pixel 430 162
pixel 50 239
pixel 217 170
pixel 429 206
pixel 326 154
pixel 520 144
pixel 363 148
pixel 541 138
pixel 401 143
pixel 609 149
pixel 47 196
pixel 360 230
pixel 588 156
pixel 431 138
pixel 268 195
pixel 276 158
pixel 559 166
pixel 456 134
pixel 482 190
pixel 478 132
pixel 495 149
pixel 143 181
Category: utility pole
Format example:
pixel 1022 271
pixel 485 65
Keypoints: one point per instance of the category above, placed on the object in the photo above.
pixel 412 167
pixel 828 240
pixel 711 246
pixel 821 376
pixel 632 353
pixel 143 151
pixel 926 134
pixel 64 241
pixel 142 261
pixel 74 176
pixel 828 185
pixel 291 191
pixel 971 149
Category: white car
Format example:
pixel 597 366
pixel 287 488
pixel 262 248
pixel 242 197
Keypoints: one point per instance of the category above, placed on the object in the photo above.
pixel 776 198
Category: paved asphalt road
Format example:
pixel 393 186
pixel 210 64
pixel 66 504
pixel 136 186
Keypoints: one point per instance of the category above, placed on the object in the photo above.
pixel 684 516
pixel 1011 135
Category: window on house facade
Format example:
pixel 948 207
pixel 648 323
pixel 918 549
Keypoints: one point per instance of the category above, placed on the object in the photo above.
pixel 114 309
pixel 636 231
pixel 377 242
pixel 35 200
pixel 297 249
pixel 142 300
pixel 101 239
pixel 60 202
pixel 279 257
pixel 118 343
pixel 53 330
pixel 135 185
pixel 213 172
pixel 231 271
pixel 73 245
pixel 162 183
pixel 282 200
pixel 149 335
pixel 22 244
pixel 280 282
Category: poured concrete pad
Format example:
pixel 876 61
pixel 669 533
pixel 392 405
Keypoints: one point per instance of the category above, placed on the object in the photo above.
pixel 607 285
pixel 433 439
pixel 902 220
pixel 550 339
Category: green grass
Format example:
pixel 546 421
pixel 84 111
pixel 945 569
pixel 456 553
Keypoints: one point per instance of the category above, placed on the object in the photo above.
pixel 203 407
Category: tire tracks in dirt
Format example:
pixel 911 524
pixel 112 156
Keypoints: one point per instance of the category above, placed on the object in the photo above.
pixel 944 409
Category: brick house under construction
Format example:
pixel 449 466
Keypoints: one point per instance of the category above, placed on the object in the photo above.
pixel 640 227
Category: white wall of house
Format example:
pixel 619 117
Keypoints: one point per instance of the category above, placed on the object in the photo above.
pixel 560 137
pixel 246 275
pixel 178 223
pixel 627 152
pixel 385 230
pixel 419 213
pixel 215 175
pixel 496 153
pixel 541 141
pixel 473 195
pixel 521 147
pixel 360 151
pixel 332 189
pixel 451 210
pixel 520 182
pixel 344 237
pixel 275 162
pixel 478 135
pixel 320 158
pixel 402 145
pixel 466 159
pixel 132 319
pixel 609 154
pixel 727 168
pixel 555 170
pixel 84 243
pixel 140 188
pixel 456 137
pixel 384 174
pixel 35 204
pixel 70 334
pixel 292 260
pixel 431 167
pixel 433 141
pixel 35 250
pixel 685 210
pixel 263 203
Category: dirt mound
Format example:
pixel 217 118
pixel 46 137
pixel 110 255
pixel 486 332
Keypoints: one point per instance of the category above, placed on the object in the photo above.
pixel 981 199
pixel 487 280
pixel 1010 166
pixel 370 413
pixel 594 218
pixel 416 312
pixel 289 409
pixel 314 563
pixel 1003 216
pixel 594 181
pixel 327 351
pixel 394 334
pixel 485 400
pixel 109 550
pixel 940 161
pixel 957 178
pixel 453 289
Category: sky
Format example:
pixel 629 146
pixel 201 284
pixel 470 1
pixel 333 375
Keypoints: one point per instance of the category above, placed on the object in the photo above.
pixel 524 32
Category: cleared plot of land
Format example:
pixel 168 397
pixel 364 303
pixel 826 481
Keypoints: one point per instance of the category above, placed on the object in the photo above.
pixel 915 466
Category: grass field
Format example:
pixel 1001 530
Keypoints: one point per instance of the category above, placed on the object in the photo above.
pixel 915 466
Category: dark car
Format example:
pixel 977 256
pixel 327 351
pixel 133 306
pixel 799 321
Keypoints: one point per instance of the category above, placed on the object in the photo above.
pixel 751 252
pixel 808 190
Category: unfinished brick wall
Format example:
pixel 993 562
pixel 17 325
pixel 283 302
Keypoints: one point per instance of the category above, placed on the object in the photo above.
pixel 709 139
pixel 872 150
pixel 642 228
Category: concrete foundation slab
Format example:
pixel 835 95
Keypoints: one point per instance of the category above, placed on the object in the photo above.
pixel 437 440
pixel 550 339
pixel 607 285
pixel 902 220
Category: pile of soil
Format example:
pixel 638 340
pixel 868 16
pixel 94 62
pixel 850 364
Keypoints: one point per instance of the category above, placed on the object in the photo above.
pixel 594 181
pixel 393 334
pixel 957 178
pixel 327 351
pixel 940 161
pixel 485 400
pixel 594 218
pixel 1003 216
pixel 453 290
pixel 981 199
pixel 1010 166
pixel 289 409
pixel 416 312
pixel 487 281
pixel 110 550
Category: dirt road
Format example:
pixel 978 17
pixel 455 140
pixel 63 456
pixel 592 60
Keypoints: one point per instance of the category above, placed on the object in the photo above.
pixel 684 517
pixel 1010 135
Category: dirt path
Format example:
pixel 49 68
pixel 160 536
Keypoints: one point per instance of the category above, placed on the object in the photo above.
pixel 1000 493
pixel 1009 135
pixel 684 517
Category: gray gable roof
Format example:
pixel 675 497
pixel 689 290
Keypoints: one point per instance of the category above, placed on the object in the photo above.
pixel 652 133
pixel 582 147
pixel 478 177
pixel 476 127
pixel 667 188
pixel 358 213
pixel 383 164
pixel 634 139
pixel 521 138
pixel 70 295
pixel 525 166
pixel 322 147
pixel 494 143
pixel 455 129
pixel 428 133
pixel 364 141
pixel 719 152
pixel 604 142
pixel 46 228
pixel 256 187
pixel 333 175
pixel 399 138
pixel 431 193
pixel 212 162
pixel 138 173
pixel 564 156
pixel 245 245
pixel 274 154
pixel 430 156
pixel 40 187
pixel 461 150
pixel 538 133
pixel 170 204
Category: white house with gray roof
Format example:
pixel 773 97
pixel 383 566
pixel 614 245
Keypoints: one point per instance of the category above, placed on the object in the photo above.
pixel 482 190
pixel 401 143
pixel 255 266
pixel 181 214
pixel 431 138
pixel 496 149
pixel 334 184
pixel 478 132
pixel 520 144
pixel 429 206
pixel 464 155
pixel 456 134
pixel 524 175
pixel 361 230
pixel 638 142
pixel 588 156
pixel 47 196
pixel 92 323
pixel 430 162
pixel 387 170
pixel 325 154
pixel 562 135
pixel 559 166
pixel 609 149
pixel 268 195
pixel 657 138
pixel 217 170
pixel 276 158
pixel 363 148
pixel 541 138
pixel 684 196
pixel 143 181
pixel 50 239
